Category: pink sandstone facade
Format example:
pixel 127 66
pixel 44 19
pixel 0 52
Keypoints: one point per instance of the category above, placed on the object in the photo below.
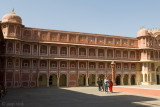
pixel 33 57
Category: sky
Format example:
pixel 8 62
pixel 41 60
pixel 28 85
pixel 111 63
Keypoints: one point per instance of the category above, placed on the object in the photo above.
pixel 111 17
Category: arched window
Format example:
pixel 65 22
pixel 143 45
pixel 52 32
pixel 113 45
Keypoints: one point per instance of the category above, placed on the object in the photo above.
pixel 63 51
pixel 92 65
pixel 63 64
pixel 25 63
pixel 82 51
pixel 43 50
pixel 109 53
pixel 53 50
pixel 9 63
pixel 10 47
pixel 152 66
pixel 26 49
pixel 73 51
pixel 118 53
pixel 91 52
pixel 133 66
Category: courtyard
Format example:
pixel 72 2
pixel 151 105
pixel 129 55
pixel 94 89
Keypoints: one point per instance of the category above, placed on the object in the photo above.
pixel 75 97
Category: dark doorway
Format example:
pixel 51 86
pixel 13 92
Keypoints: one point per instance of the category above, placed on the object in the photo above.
pixel 118 80
pixel 133 77
pixel 158 82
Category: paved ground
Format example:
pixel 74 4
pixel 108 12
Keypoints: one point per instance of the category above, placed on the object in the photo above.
pixel 152 90
pixel 75 97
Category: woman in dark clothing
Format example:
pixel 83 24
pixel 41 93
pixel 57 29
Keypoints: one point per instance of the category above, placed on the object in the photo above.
pixel 99 84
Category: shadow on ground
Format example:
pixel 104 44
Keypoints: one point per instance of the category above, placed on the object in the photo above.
pixel 55 97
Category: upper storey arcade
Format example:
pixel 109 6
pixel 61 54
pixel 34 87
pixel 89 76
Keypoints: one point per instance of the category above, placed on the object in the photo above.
pixel 12 28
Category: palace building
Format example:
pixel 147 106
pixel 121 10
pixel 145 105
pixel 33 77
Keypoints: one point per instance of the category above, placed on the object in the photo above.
pixel 34 57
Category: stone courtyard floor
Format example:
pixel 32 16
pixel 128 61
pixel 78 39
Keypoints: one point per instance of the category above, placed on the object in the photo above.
pixel 75 97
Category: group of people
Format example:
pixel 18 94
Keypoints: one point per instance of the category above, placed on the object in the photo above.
pixel 104 84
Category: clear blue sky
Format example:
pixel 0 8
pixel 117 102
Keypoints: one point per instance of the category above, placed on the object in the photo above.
pixel 112 17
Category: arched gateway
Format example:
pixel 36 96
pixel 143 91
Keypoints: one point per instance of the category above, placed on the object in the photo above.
pixel 53 80
pixel 82 80
pixel 91 80
pixel 63 80
pixel 158 75
pixel 118 79
pixel 42 81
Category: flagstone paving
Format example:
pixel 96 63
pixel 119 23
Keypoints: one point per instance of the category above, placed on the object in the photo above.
pixel 75 97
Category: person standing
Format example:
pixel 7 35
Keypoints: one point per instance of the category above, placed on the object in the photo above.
pixel 99 84
pixel 110 85
pixel 105 85
pixel 102 84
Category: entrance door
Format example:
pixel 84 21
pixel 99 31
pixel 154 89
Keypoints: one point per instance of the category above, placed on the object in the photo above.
pixel 82 80
pixel 133 80
pixel 158 81
pixel 125 80
pixel 91 80
pixel 42 80
pixel 158 75
pixel 53 80
pixel 118 80
pixel 63 80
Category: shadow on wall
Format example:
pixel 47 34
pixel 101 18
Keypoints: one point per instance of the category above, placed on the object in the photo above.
pixel 47 97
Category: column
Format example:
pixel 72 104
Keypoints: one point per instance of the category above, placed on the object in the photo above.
pixel 47 80
pixel 13 73
pixel 121 79
pixel 87 74
pixel 57 81
pixel 143 77
pixel 113 73
pixel 129 80
pixel 147 77
pixel 96 77
pixel 58 74
pixel 87 80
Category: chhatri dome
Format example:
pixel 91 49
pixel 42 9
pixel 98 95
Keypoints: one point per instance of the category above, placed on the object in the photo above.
pixel 142 32
pixel 12 17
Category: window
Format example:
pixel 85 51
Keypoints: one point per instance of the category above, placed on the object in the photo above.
pixel 53 51
pixel 40 78
pixel 92 66
pixel 125 66
pixel 72 65
pixel 44 51
pixel 100 54
pixel 133 66
pixel 118 66
pixel 53 65
pixel 25 64
pixel 63 65
pixel 82 53
pixel 26 51
pixel 10 49
pixel 82 65
pixel 34 64
pixel 9 63
pixel 101 66
pixel 63 52
pixel 42 65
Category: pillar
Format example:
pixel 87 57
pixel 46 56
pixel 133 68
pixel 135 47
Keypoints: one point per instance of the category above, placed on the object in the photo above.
pixel 129 80
pixel 86 80
pixel 113 73
pixel 57 81
pixel 143 77
pixel 122 80
pixel 96 77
